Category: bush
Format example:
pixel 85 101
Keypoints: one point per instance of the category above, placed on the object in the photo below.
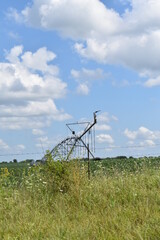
pixel 56 174
pixel 51 177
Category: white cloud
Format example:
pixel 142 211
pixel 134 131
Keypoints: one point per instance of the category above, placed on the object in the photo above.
pixel 149 143
pixel 13 14
pixel 13 55
pixel 114 118
pixel 39 61
pixel 3 145
pixel 45 143
pixel 85 78
pixel 83 89
pixel 105 117
pixel 130 134
pixel 23 122
pixel 94 49
pixel 37 132
pixel 103 127
pixel 28 88
pixel 102 138
pixel 87 74
pixel 21 147
pixel 152 82
pixel 76 19
pixel 143 133
pixel 139 52
pixel 101 33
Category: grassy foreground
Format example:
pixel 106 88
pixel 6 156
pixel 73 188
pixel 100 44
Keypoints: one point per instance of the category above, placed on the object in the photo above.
pixel 58 202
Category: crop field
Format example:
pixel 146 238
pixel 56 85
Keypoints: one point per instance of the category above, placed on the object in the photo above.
pixel 121 201
pixel 15 168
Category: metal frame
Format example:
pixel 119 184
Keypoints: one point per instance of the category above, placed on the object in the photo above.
pixel 66 148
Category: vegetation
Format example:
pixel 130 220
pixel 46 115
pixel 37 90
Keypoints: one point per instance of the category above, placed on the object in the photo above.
pixel 57 201
pixel 119 164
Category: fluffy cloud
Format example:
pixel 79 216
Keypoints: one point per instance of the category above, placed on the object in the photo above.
pixel 28 87
pixel 131 39
pixel 103 127
pixel 142 132
pixel 46 143
pixel 43 142
pixel 3 145
pixel 77 19
pixel 105 117
pixel 105 138
pixel 103 121
pixel 152 82
pixel 149 143
pixel 21 147
pixel 83 89
pixel 85 78
pixel 37 132
pixel 145 136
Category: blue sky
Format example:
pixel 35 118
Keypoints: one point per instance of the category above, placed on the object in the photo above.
pixel 60 60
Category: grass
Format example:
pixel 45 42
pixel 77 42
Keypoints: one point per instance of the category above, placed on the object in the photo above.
pixel 15 168
pixel 118 205
pixel 111 165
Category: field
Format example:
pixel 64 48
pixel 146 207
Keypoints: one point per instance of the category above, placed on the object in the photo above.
pixel 121 201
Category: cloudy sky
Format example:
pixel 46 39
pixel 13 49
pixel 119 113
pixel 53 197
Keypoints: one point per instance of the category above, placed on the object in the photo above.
pixel 60 60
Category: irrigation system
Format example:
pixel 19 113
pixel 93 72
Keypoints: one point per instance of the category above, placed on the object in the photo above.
pixel 80 144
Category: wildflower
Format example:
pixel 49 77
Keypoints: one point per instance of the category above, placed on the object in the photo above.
pixel 5 172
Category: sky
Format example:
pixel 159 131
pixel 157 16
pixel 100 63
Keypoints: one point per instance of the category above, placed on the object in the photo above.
pixel 61 60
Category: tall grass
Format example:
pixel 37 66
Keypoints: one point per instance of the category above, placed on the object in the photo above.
pixel 57 201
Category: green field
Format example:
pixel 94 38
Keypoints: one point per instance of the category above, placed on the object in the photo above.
pixel 16 167
pixel 121 201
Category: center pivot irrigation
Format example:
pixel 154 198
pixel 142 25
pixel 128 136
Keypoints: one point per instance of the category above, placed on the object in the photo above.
pixel 79 144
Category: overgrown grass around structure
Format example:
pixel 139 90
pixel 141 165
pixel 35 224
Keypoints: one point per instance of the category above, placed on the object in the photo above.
pixel 57 201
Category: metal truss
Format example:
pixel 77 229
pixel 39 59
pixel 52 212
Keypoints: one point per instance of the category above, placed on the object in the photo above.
pixel 78 145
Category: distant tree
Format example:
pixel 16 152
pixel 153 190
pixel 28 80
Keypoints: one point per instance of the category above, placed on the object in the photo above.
pixel 121 157
pixel 29 160
pixel 38 161
pixel 97 159
pixel 15 160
